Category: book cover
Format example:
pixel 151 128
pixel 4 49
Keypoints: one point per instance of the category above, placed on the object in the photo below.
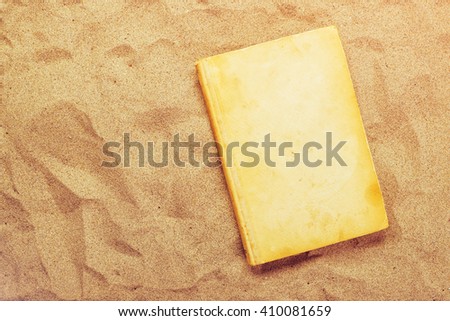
pixel 293 146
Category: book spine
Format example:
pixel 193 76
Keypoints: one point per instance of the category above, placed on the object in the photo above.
pixel 213 105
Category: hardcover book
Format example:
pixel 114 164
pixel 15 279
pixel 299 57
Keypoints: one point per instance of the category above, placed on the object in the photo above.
pixel 294 151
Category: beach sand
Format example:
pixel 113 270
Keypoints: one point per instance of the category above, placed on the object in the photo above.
pixel 78 74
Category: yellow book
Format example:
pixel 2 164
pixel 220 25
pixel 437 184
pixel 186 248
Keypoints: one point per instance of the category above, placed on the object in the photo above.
pixel 294 151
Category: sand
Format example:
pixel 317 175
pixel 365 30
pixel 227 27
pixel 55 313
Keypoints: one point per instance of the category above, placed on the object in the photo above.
pixel 77 74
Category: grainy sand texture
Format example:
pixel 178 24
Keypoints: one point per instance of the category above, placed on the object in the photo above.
pixel 76 74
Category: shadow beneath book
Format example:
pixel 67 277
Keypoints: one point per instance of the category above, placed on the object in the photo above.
pixel 282 263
